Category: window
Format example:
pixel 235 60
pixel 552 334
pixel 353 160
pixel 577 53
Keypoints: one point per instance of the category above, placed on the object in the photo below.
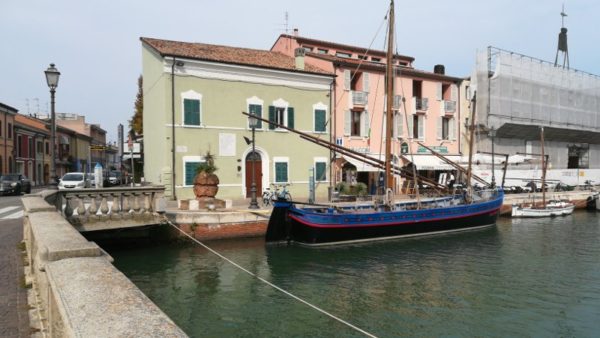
pixel 320 171
pixel 10 131
pixel 256 110
pixel 31 149
pixel 343 55
pixel 446 128
pixel 190 164
pixel 0 128
pixel 47 148
pixel 418 125
pixel 19 148
pixel 322 51
pixel 376 59
pixel 320 120
pixel 282 116
pixel 578 156
pixel 191 112
pixel 307 49
pixel 281 170
pixel 39 147
pixel 362 57
pixel 355 124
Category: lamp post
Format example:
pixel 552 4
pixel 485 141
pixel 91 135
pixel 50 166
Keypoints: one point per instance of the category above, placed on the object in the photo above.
pixel 492 134
pixel 52 75
pixel 253 122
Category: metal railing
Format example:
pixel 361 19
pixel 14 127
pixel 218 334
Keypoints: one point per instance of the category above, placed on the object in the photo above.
pixel 359 98
pixel 449 107
pixel 421 103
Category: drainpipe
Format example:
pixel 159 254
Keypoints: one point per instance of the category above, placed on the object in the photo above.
pixel 333 111
pixel 173 175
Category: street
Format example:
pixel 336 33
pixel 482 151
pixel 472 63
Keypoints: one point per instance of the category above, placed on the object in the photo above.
pixel 14 320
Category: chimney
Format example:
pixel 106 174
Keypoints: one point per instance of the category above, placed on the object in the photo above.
pixel 439 69
pixel 296 32
pixel 299 54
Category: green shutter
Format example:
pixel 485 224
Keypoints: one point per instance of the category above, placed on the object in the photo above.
pixel 281 172
pixel 290 123
pixel 320 120
pixel 191 112
pixel 320 171
pixel 257 110
pixel 271 117
pixel 190 172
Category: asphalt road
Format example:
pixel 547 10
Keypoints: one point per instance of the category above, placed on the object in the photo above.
pixel 14 320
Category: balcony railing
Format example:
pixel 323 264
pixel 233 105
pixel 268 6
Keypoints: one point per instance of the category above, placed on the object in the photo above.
pixel 359 98
pixel 448 107
pixel 421 104
pixel 397 102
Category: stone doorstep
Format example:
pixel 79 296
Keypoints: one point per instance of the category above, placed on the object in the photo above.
pixel 93 298
pixel 35 203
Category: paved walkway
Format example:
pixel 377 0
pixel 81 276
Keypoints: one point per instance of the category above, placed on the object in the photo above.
pixel 14 320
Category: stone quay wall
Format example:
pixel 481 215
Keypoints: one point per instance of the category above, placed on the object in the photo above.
pixel 77 291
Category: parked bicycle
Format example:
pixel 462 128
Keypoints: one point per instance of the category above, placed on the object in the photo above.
pixel 278 191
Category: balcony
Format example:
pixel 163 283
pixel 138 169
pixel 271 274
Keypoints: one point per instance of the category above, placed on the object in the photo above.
pixel 448 107
pixel 421 104
pixel 397 102
pixel 358 99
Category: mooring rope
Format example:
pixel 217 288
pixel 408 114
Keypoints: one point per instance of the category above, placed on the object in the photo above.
pixel 273 285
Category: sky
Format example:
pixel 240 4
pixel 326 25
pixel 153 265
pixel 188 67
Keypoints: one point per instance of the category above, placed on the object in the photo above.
pixel 96 47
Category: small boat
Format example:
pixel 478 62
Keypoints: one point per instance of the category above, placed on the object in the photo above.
pixel 551 208
pixel 317 225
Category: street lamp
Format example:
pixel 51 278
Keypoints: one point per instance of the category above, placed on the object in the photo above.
pixel 253 121
pixel 52 75
pixel 492 134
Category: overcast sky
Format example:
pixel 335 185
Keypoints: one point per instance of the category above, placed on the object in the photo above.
pixel 95 44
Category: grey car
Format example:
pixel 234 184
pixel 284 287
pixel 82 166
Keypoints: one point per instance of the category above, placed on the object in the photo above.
pixel 14 184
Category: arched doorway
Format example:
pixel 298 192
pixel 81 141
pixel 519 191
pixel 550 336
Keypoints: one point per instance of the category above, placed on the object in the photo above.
pixel 253 158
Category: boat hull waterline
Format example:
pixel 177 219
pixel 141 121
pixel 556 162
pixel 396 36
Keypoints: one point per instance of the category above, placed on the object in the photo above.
pixel 518 211
pixel 313 226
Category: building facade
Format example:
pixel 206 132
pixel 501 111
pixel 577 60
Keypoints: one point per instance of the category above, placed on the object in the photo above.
pixel 425 108
pixel 32 155
pixel 7 122
pixel 197 93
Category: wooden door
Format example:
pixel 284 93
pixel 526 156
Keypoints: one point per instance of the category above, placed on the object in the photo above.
pixel 250 159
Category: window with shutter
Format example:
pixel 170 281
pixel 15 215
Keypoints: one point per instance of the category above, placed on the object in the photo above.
pixel 256 110
pixel 452 127
pixel 271 117
pixel 191 112
pixel 281 172
pixel 439 91
pixel 411 126
pixel 190 172
pixel 320 120
pixel 347 122
pixel 364 128
pixel 290 119
pixel 421 127
pixel 399 125
pixel 347 79
pixel 440 127
pixel 320 171
pixel 366 82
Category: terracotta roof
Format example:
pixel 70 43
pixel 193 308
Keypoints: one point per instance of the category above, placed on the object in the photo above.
pixel 231 55
pixel 328 44
pixel 379 66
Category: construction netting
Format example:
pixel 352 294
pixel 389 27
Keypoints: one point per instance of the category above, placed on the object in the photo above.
pixel 524 90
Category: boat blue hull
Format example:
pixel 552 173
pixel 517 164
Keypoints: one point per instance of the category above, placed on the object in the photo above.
pixel 314 226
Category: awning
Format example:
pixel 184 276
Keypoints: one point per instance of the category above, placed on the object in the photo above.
pixel 432 162
pixel 360 166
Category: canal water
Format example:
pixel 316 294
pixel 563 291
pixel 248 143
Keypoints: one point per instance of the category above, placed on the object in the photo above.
pixel 523 278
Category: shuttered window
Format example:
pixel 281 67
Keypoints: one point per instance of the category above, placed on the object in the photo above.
pixel 256 110
pixel 280 116
pixel 191 112
pixel 320 120
pixel 290 121
pixel 190 172
pixel 281 172
pixel 320 171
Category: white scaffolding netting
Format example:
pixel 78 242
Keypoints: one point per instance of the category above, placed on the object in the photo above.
pixel 525 90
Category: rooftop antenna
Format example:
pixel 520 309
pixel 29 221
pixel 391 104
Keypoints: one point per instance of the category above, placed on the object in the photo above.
pixel 27 105
pixel 562 42
pixel 37 105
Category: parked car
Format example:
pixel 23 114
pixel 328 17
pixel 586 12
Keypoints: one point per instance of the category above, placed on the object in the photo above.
pixel 14 184
pixel 115 178
pixel 73 180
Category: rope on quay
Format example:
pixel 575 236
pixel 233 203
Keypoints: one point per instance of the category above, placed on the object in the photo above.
pixel 273 285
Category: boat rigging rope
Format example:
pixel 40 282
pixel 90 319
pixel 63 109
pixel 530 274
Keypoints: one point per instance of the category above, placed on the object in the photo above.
pixel 271 284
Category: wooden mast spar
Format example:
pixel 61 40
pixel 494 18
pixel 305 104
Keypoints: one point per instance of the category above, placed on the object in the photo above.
pixel 389 178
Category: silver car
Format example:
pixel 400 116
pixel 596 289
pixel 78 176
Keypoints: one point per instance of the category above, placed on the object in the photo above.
pixel 73 180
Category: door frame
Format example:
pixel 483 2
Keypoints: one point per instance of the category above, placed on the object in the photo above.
pixel 265 160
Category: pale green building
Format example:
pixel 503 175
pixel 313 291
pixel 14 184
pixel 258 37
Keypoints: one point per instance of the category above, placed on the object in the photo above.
pixel 198 93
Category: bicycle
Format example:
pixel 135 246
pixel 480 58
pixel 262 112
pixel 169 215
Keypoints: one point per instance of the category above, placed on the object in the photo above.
pixel 279 192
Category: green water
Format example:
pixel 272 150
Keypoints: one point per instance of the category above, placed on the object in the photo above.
pixel 523 278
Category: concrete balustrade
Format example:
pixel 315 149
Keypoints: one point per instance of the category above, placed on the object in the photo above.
pixel 78 292
pixel 111 208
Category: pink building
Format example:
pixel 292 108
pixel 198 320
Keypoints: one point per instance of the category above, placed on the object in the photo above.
pixel 425 105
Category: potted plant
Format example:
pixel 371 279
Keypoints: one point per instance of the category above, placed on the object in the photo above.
pixel 206 183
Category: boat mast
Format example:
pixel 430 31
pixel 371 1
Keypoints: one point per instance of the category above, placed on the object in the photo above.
pixel 471 139
pixel 389 178
pixel 544 164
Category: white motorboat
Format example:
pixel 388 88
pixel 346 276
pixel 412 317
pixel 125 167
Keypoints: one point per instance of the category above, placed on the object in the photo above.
pixel 550 209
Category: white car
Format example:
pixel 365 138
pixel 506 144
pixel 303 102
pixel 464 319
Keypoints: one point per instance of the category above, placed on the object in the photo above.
pixel 73 181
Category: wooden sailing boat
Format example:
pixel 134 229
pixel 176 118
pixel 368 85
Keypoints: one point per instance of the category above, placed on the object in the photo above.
pixel 545 209
pixel 329 224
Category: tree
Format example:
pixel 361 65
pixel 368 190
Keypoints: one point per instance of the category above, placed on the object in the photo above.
pixel 136 124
